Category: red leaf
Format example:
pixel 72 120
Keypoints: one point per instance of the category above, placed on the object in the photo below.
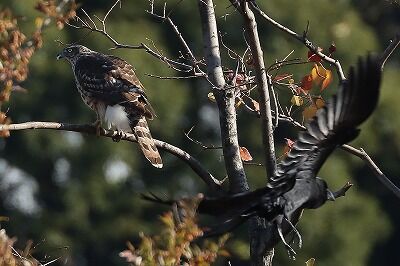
pixel 332 48
pixel 288 147
pixel 306 82
pixel 313 57
pixel 245 154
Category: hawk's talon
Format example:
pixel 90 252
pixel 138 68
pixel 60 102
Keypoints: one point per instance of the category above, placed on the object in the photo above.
pixel 117 137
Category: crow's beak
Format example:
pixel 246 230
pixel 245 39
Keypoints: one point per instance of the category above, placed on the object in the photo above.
pixel 330 195
pixel 60 56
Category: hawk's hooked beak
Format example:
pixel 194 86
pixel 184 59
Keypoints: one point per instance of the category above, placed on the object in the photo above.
pixel 60 56
pixel 330 195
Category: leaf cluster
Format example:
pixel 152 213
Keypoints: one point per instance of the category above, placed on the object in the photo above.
pixel 17 49
pixel 175 244
pixel 9 255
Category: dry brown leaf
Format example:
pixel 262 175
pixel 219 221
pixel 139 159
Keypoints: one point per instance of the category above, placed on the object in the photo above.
pixel 245 154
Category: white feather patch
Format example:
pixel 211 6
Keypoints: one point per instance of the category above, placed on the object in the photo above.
pixel 116 118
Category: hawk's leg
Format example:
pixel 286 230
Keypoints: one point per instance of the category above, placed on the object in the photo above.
pixel 117 137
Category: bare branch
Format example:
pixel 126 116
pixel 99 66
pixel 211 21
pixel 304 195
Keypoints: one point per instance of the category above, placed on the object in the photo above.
pixel 263 87
pixel 167 18
pixel 225 98
pixel 196 166
pixel 375 169
pixel 178 66
pixel 178 77
pixel 205 147
pixel 390 49
pixel 303 39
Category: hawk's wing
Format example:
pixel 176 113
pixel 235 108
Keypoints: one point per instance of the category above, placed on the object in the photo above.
pixel 113 81
pixel 333 125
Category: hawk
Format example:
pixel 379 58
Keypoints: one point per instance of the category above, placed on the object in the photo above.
pixel 109 86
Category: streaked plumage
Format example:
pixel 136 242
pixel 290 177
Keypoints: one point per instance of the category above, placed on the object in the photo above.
pixel 109 86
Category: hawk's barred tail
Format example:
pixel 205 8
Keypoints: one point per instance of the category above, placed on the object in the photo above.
pixel 146 142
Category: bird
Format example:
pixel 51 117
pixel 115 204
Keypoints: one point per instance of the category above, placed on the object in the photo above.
pixel 110 87
pixel 296 185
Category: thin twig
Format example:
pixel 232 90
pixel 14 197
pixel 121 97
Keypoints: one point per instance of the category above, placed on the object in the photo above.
pixel 390 49
pixel 205 147
pixel 303 39
pixel 375 169
pixel 178 66
pixel 178 77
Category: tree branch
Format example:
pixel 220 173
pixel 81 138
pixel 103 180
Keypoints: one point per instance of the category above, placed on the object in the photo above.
pixel 390 49
pixel 178 66
pixel 302 38
pixel 225 98
pixel 196 166
pixel 360 153
pixel 258 230
pixel 263 90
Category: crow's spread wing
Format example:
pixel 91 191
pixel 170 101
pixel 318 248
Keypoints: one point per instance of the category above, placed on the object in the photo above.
pixel 333 125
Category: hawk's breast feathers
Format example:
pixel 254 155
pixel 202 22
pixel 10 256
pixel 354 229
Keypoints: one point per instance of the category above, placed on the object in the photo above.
pixel 112 81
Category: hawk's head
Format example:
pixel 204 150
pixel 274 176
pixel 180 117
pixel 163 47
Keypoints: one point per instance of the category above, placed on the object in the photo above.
pixel 73 52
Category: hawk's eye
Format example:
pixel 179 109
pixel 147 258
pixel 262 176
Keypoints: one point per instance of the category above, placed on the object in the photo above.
pixel 69 50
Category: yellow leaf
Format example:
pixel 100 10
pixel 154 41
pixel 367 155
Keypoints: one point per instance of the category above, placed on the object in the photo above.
pixel 327 79
pixel 291 81
pixel 238 103
pixel 297 100
pixel 316 74
pixel 309 111
pixel 310 262
pixel 319 103
pixel 224 253
pixel 211 97
pixel 38 22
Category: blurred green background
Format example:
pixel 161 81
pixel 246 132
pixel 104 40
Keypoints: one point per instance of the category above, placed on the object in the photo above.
pixel 76 196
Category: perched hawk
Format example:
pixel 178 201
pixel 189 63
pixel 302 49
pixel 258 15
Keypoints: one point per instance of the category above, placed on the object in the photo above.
pixel 109 86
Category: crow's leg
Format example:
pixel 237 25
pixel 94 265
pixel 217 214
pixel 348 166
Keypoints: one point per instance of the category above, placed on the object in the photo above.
pixel 297 233
pixel 290 250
